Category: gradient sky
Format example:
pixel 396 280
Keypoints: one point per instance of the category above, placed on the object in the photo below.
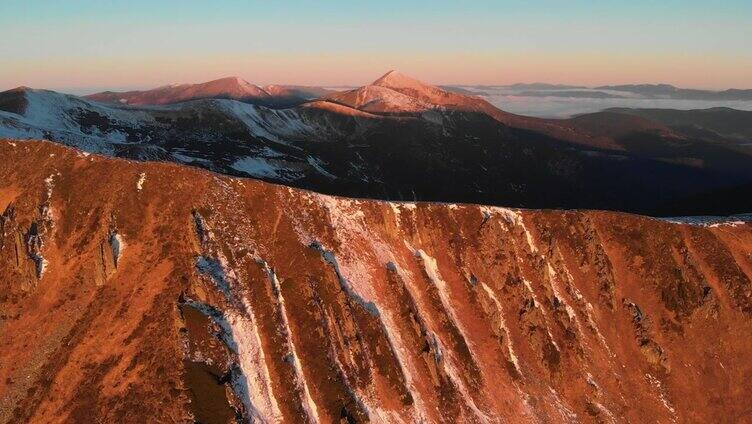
pixel 92 44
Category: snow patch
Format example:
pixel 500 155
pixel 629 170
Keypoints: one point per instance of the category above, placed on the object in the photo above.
pixel 41 265
pixel 329 257
pixel 259 167
pixel 317 165
pixel 215 269
pixel 117 245
pixel 275 125
pixel 308 403
pixel 256 167
pixel 141 181
pixel 537 304
pixel 711 221
pixel 397 207
pixel 564 410
pixel 432 270
pixel 183 158
pixel 594 326
pixel 252 383
pixel 662 395
pixel 513 217
pixel 446 363
pixel 554 282
pixel 253 364
pixel 502 323
pixel 49 184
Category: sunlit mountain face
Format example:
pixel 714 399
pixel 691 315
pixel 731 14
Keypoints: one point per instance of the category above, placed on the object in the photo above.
pixel 244 301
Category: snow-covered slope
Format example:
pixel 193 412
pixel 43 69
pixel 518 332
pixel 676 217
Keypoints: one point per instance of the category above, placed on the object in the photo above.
pixel 377 99
pixel 72 120
pixel 213 133
pixel 395 93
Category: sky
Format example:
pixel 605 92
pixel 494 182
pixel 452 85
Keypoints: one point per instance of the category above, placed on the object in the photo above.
pixel 80 45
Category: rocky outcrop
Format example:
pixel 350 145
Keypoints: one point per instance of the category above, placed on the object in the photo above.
pixel 237 300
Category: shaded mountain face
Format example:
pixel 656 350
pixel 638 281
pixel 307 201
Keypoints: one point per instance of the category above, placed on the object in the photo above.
pixel 225 88
pixel 154 292
pixel 719 138
pixel 400 139
pixel 715 123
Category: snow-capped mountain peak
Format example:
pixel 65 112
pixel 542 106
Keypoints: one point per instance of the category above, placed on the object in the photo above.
pixel 396 80
pixel 397 93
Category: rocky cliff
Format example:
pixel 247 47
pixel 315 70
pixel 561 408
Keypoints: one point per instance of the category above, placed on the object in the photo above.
pixel 142 292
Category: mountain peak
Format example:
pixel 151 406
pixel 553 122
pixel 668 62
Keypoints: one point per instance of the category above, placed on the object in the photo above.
pixel 229 83
pixel 396 79
pixel 19 89
pixel 395 92
pixel 230 80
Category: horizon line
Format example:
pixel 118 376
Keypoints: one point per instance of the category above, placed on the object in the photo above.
pixel 82 90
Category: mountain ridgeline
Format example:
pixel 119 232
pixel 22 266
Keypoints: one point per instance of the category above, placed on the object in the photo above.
pixel 136 292
pixel 400 139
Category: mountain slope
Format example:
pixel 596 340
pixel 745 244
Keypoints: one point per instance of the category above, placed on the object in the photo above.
pixel 718 138
pixel 134 292
pixel 724 122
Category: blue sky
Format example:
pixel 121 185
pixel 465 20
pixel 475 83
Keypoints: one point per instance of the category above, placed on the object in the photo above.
pixel 80 43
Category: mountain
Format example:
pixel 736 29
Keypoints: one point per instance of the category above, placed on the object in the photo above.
pixel 155 292
pixel 396 93
pixel 400 139
pixel 671 92
pixel 544 86
pixel 719 137
pixel 225 88
pixel 626 91
pixel 719 121
pixel 578 94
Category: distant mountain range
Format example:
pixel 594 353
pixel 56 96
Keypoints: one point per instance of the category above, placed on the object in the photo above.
pixel 280 96
pixel 671 92
pixel 400 139
pixel 648 91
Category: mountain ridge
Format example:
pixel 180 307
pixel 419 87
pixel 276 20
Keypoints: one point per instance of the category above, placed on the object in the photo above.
pixel 232 87
pixel 411 141
pixel 173 283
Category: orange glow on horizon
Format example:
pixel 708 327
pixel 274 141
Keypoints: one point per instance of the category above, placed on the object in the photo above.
pixel 482 68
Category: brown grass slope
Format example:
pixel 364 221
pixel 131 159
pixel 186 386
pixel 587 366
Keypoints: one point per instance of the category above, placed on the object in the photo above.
pixel 152 292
